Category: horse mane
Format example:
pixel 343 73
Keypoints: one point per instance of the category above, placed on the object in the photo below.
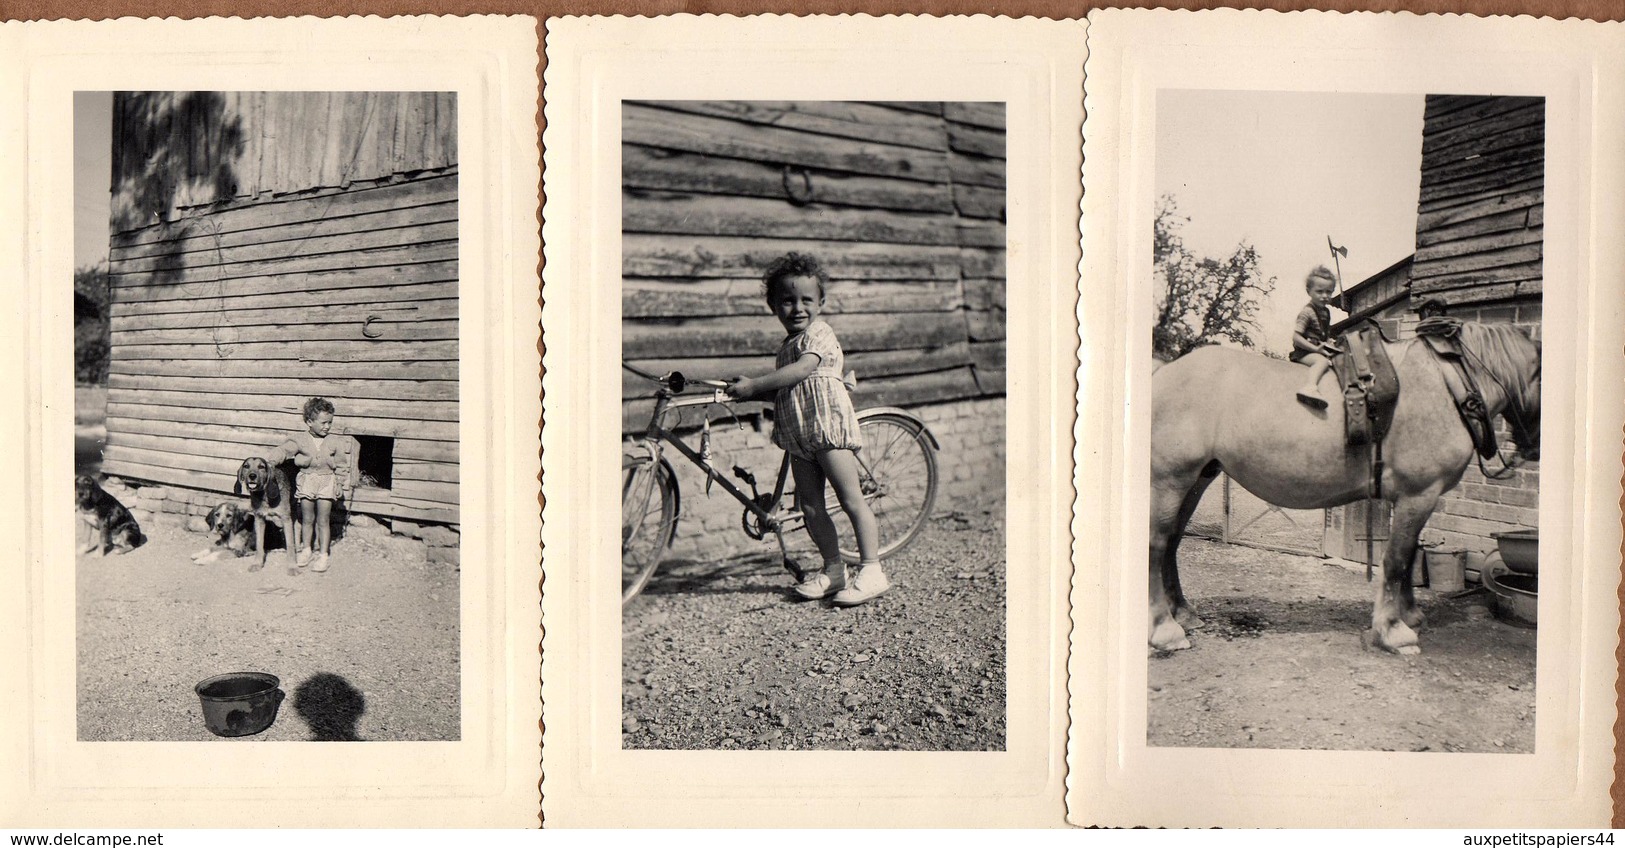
pixel 1503 350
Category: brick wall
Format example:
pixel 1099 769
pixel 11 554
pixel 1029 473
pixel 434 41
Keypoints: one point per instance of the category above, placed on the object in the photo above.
pixel 970 473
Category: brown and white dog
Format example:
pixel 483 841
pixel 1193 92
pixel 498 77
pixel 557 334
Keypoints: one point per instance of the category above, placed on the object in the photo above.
pixel 270 499
pixel 106 526
pixel 230 529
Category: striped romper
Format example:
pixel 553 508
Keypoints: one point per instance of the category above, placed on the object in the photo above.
pixel 815 414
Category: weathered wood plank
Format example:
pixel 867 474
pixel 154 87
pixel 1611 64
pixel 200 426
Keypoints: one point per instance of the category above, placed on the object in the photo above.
pixel 988 355
pixel 869 365
pixel 389 329
pixel 1513 129
pixel 990 381
pixel 1493 240
pixel 1495 164
pixel 984 294
pixel 976 170
pixel 352 260
pixel 290 300
pixel 646 255
pixel 1507 180
pixel 429 472
pixel 428 491
pixel 862 121
pixel 247 439
pixel 1487 207
pixel 1508 274
pixel 323 246
pixel 981 263
pixel 297 209
pixel 979 202
pixel 201 237
pixel 670 170
pixel 1446 112
pixel 1506 257
pixel 380 502
pixel 977 114
pixel 644 298
pixel 1441 204
pixel 287 369
pixel 985 326
pixel 344 313
pixel 158 408
pixel 720 137
pixel 368 501
pixel 981 234
pixel 912 389
pixel 435 390
pixel 982 142
pixel 188 440
pixel 365 350
pixel 284 409
pixel 320 281
pixel 744 336
pixel 711 215
pixel 924 107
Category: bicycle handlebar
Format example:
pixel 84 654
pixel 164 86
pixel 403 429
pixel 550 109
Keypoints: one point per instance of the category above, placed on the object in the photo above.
pixel 675 381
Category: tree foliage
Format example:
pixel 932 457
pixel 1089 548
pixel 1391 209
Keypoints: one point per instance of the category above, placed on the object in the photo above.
pixel 1202 300
pixel 91 325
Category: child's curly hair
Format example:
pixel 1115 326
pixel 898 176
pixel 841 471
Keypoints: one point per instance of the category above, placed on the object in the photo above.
pixel 789 265
pixel 316 406
pixel 1320 272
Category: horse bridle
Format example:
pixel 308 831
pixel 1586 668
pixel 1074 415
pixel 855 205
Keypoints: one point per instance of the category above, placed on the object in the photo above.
pixel 1472 403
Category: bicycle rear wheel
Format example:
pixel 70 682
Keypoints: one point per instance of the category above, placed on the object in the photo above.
pixel 648 521
pixel 898 473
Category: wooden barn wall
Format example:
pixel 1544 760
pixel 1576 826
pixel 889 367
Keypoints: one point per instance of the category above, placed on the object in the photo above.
pixel 175 150
pixel 224 323
pixel 1478 232
pixel 902 202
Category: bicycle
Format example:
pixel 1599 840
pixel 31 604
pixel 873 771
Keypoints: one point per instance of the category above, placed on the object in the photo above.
pixel 897 465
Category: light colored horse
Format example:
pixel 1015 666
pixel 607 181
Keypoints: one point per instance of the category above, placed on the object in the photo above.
pixel 1225 409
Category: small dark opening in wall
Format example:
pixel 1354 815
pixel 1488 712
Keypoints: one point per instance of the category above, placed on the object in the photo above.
pixel 377 461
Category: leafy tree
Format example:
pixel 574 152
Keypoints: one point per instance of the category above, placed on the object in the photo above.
pixel 1201 300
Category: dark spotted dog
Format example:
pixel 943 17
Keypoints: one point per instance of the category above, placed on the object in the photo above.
pixel 230 529
pixel 270 499
pixel 106 525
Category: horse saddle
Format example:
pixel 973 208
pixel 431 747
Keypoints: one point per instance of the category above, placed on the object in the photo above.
pixel 1370 385
pixel 1443 336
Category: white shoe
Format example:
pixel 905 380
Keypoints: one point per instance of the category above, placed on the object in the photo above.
pixel 869 583
pixel 820 584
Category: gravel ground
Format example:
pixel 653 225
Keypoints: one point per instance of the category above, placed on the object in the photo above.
pixel 1280 664
pixel 365 651
pixel 721 655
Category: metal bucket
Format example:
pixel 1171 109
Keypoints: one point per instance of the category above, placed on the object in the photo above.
pixel 239 703
pixel 1447 570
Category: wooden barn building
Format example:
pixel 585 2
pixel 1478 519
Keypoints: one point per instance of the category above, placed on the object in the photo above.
pixel 270 247
pixel 1478 253
pixel 903 203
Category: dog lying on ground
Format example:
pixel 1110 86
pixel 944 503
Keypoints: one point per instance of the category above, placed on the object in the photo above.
pixel 270 498
pixel 230 529
pixel 107 526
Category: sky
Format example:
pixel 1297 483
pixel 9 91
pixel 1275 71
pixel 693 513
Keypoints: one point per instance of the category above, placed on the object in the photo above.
pixel 1284 170
pixel 92 175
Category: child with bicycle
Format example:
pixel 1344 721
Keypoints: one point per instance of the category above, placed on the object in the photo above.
pixel 815 423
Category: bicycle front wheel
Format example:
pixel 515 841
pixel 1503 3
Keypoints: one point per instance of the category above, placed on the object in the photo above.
pixel 898 472
pixel 648 521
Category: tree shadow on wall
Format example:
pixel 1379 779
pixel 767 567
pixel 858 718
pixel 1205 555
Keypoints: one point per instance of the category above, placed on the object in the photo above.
pixel 171 147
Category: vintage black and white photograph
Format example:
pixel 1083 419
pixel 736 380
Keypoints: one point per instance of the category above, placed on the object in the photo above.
pixel 813 425
pixel 266 415
pixel 1345 421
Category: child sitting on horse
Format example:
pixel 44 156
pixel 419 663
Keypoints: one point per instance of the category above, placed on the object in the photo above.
pixel 1312 342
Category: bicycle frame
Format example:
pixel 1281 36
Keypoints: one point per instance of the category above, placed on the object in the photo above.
pixel 665 403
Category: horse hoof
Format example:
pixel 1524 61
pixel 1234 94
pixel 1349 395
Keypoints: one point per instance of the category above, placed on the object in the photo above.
pixel 1189 620
pixel 1409 650
pixel 1169 636
pixel 1413 618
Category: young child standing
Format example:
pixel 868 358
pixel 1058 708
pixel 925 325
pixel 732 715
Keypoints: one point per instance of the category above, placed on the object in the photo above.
pixel 316 452
pixel 1312 342
pixel 815 423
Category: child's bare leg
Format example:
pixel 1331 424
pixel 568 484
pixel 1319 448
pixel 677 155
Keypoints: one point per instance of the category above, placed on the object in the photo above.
pixel 1309 392
pixel 841 468
pixel 324 525
pixel 305 536
pixel 810 493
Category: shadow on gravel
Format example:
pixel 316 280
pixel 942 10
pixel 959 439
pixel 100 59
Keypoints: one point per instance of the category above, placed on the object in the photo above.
pixel 331 706
pixel 693 577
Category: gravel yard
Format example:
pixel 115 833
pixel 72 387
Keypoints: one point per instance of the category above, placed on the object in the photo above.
pixel 1280 664
pixel 721 655
pixel 366 651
